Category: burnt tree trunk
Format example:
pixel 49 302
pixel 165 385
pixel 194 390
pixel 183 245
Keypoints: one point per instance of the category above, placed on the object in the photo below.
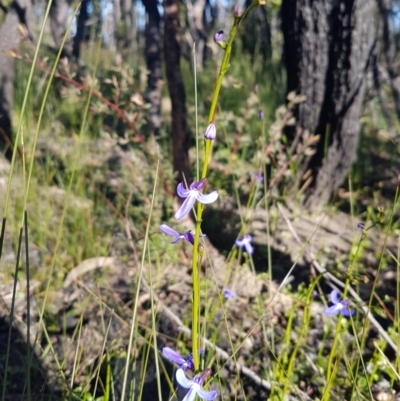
pixel 81 29
pixel 153 63
pixel 327 49
pixel 20 13
pixel 172 53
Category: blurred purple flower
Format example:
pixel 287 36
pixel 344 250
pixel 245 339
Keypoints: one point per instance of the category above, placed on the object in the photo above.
pixel 184 363
pixel 339 306
pixel 361 226
pixel 245 242
pixel 228 293
pixel 186 236
pixel 219 37
pixel 211 132
pixel 261 114
pixel 259 177
pixel 195 386
pixel 192 194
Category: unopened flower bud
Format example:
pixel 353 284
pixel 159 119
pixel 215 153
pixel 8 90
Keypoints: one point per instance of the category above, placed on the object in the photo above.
pixel 237 12
pixel 219 39
pixel 211 132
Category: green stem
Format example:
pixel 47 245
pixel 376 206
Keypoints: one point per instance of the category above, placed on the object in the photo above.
pixel 197 254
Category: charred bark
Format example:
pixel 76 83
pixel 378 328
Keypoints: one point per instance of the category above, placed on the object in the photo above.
pixel 176 89
pixel 327 48
pixel 81 30
pixel 153 62
pixel 20 12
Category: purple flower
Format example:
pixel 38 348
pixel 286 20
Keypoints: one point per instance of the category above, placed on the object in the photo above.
pixel 192 194
pixel 339 306
pixel 195 386
pixel 259 177
pixel 211 132
pixel 261 114
pixel 186 236
pixel 184 363
pixel 219 37
pixel 361 226
pixel 228 293
pixel 245 242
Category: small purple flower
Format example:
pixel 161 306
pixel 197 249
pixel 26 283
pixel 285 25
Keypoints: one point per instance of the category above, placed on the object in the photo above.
pixel 219 37
pixel 211 132
pixel 339 306
pixel 184 363
pixel 192 194
pixel 245 242
pixel 195 386
pixel 186 236
pixel 361 226
pixel 261 114
pixel 228 293
pixel 259 177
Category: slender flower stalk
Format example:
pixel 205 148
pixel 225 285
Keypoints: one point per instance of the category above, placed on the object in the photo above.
pixel 197 254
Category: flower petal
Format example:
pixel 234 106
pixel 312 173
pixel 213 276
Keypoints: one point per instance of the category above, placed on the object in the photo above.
pixel 185 208
pixel 239 242
pixel 333 310
pixel 180 238
pixel 347 311
pixel 169 231
pixel 209 198
pixel 207 395
pixel 335 299
pixel 183 380
pixel 173 356
pixel 182 191
pixel 191 395
pixel 249 248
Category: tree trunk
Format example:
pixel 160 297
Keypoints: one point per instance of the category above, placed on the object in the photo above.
pixel 386 6
pixel 172 51
pixel 327 49
pixel 198 31
pixel 20 12
pixel 80 30
pixel 153 62
pixel 59 19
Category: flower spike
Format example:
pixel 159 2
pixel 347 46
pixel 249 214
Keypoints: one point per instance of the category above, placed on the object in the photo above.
pixel 192 194
pixel 195 386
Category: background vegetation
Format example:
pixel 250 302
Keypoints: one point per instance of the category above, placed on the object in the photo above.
pixel 101 104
